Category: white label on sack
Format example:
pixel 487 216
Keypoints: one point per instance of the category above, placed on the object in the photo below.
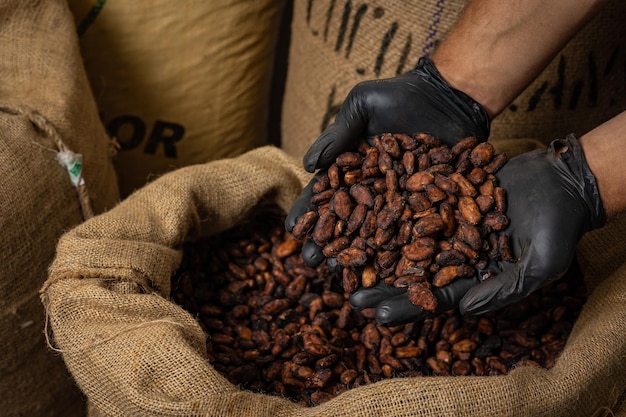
pixel 73 162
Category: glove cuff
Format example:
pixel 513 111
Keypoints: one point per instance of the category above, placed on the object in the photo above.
pixel 574 158
pixel 427 70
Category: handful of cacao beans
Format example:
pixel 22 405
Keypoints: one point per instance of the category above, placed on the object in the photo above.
pixel 411 211
pixel 277 326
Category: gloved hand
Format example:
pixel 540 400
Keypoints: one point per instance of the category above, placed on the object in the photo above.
pixel 553 200
pixel 418 101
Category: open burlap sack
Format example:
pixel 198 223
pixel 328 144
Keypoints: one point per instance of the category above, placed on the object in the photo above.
pixel 47 115
pixel 335 45
pixel 135 353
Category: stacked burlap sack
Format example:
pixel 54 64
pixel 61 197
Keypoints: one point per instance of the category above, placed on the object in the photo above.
pixel 48 121
pixel 179 82
pixel 133 352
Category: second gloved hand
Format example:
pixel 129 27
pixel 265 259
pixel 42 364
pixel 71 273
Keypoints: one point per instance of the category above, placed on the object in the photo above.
pixel 553 200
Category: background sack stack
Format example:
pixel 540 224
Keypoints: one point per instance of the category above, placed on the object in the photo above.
pixel 46 107
pixel 179 83
pixel 133 352
pixel 336 44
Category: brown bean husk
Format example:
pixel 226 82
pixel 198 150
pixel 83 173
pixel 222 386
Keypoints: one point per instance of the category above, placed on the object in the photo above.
pixel 133 352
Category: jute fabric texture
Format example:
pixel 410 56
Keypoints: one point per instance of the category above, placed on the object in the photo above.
pixel 135 353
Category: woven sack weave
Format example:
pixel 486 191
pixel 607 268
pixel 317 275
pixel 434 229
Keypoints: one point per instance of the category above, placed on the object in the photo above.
pixel 335 45
pixel 47 113
pixel 135 353
pixel 179 82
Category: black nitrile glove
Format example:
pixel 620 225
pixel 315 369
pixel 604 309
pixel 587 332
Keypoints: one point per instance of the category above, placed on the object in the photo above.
pixel 418 101
pixel 414 102
pixel 553 200
pixel 393 306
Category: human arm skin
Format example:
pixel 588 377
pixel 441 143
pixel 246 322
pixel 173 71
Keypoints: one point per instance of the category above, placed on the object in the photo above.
pixel 497 48
pixel 604 149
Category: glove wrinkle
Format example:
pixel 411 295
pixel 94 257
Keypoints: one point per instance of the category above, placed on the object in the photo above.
pixel 312 254
pixel 496 292
pixel 461 103
pixel 584 181
pixel 398 310
pixel 333 265
pixel 316 157
pixel 336 137
pixel 370 297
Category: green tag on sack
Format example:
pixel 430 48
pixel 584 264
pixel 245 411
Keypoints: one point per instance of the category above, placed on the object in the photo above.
pixel 73 162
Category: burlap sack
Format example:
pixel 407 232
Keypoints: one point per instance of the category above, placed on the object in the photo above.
pixel 47 113
pixel 179 82
pixel 335 45
pixel 135 353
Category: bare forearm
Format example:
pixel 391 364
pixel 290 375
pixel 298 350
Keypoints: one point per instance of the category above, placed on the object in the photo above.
pixel 497 48
pixel 604 151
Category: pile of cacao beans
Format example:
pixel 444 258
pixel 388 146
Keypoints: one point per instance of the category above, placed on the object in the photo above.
pixel 411 211
pixel 277 326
